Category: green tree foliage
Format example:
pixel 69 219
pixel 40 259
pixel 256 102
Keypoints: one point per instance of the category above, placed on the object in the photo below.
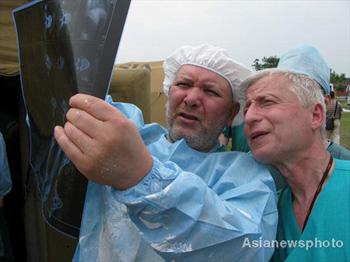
pixel 337 78
pixel 266 62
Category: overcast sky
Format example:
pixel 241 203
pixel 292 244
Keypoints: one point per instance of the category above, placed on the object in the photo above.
pixel 247 29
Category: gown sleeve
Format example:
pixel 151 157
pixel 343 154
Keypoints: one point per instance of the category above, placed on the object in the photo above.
pixel 183 217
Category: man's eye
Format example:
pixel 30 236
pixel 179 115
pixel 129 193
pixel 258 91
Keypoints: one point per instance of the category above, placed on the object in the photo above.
pixel 268 102
pixel 182 85
pixel 211 92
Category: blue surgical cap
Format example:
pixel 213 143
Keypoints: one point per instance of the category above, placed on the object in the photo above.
pixel 307 60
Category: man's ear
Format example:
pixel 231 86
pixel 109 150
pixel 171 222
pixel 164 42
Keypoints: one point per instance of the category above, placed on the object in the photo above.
pixel 318 116
pixel 234 112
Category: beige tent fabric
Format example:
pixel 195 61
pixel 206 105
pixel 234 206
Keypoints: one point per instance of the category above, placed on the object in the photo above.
pixel 141 83
pixel 131 83
pixel 8 44
pixel 158 98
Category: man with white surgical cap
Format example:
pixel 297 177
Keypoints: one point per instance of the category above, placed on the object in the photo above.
pixel 170 195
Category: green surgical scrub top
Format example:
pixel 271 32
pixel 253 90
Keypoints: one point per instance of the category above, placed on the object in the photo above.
pixel 326 236
pixel 239 141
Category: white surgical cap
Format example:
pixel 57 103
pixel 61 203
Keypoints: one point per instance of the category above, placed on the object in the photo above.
pixel 209 57
pixel 305 59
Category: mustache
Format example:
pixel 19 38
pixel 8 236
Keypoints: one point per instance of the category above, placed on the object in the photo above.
pixel 186 113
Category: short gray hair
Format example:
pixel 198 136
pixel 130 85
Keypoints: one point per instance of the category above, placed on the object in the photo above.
pixel 307 90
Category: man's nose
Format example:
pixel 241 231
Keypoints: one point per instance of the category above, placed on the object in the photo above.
pixel 251 114
pixel 193 97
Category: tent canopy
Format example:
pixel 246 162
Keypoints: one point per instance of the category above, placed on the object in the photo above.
pixel 8 46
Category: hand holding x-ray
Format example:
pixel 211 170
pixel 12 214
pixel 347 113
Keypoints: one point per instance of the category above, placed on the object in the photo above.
pixel 103 144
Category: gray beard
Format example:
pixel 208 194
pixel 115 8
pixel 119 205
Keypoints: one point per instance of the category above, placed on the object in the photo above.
pixel 200 142
pixel 203 141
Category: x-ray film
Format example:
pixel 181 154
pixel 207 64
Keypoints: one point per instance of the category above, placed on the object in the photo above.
pixel 65 47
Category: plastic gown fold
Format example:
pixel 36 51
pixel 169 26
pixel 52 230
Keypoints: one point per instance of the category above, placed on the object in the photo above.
pixel 65 47
pixel 191 206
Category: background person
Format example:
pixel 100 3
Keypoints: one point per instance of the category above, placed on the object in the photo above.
pixel 235 134
pixel 336 150
pixel 171 194
pixel 5 187
pixel 285 127
pixel 334 110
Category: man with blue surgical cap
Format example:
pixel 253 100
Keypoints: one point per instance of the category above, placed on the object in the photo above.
pixel 284 120
pixel 307 60
pixel 295 60
pixel 170 195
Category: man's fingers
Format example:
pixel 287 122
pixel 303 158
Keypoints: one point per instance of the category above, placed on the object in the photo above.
pixel 68 147
pixel 84 121
pixel 96 107
pixel 81 140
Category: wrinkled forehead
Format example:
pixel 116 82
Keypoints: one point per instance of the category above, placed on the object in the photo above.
pixel 273 84
pixel 200 73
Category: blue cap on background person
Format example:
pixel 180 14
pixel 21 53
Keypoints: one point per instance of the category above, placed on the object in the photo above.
pixel 307 60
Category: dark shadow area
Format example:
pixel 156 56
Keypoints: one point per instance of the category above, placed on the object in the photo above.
pixel 10 108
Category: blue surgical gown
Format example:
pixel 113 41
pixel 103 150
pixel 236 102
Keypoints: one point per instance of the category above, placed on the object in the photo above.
pixel 5 177
pixel 191 206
